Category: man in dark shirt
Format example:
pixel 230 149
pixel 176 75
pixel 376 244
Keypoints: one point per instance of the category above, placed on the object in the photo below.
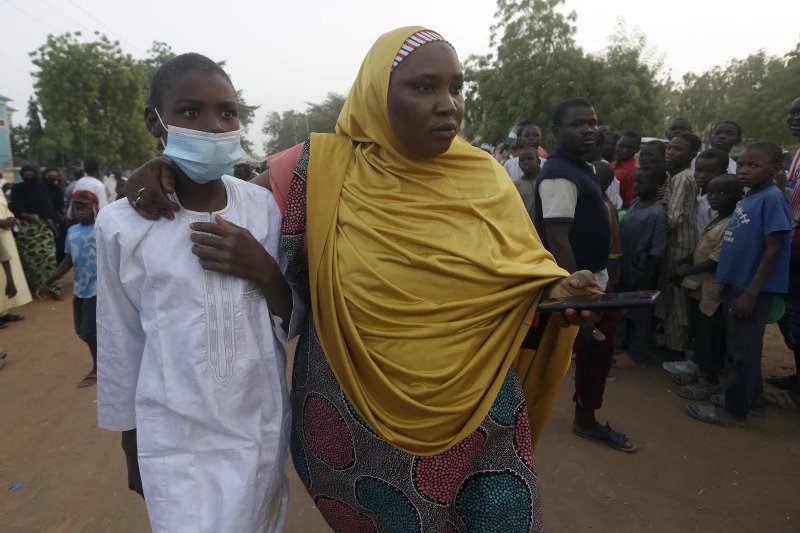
pixel 572 220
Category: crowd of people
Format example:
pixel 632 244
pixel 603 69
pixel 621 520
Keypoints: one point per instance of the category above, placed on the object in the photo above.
pixel 411 265
pixel 713 233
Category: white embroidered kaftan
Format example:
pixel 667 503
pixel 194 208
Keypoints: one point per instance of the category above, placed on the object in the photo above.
pixel 191 359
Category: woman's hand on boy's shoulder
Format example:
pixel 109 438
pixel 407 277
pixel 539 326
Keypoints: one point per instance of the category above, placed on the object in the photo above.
pixel 148 186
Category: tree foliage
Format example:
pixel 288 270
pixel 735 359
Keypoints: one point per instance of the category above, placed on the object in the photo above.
pixel 536 63
pixel 90 97
pixel 289 128
pixel 754 91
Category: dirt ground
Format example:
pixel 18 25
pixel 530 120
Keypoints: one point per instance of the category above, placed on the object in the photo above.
pixel 687 476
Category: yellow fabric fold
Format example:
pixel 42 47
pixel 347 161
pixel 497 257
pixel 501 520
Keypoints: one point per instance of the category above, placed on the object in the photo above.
pixel 424 275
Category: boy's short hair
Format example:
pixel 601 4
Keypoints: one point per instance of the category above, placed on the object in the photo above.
pixel 772 150
pixel 632 134
pixel 656 174
pixel 733 123
pixel 167 73
pixel 522 125
pixel 561 109
pixel 694 141
pixel 716 155
pixel 603 169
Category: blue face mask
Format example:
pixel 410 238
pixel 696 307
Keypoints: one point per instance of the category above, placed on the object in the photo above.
pixel 201 155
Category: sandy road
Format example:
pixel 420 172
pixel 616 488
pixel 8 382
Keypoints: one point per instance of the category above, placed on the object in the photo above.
pixel 687 476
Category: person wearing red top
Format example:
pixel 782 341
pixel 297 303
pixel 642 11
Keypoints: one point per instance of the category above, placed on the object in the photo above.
pixel 625 165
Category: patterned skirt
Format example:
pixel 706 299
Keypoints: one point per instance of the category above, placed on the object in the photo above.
pixel 37 253
pixel 361 483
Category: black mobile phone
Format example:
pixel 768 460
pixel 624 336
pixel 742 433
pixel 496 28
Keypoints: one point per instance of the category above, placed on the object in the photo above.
pixel 600 302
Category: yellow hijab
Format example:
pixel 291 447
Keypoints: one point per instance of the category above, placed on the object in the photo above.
pixel 424 276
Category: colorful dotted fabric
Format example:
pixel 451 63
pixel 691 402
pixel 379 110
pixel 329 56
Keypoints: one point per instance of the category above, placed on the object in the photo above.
pixel 393 511
pixel 342 518
pixel 494 501
pixel 505 405
pixel 438 477
pixel 362 483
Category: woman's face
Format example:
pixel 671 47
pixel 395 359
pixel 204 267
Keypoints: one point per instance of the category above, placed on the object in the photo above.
pixel 426 100
pixel 199 101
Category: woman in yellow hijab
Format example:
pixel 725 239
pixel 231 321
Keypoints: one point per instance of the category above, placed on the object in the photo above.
pixel 414 408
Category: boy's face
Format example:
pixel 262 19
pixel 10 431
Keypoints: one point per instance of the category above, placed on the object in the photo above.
pixel 605 178
pixel 82 212
pixel 679 154
pixel 530 136
pixel 529 161
pixel 724 137
pixel 644 186
pixel 626 148
pixel 755 169
pixel 723 196
pixel 705 170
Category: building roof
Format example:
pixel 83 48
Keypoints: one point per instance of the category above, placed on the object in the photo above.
pixel 10 109
pixel 4 98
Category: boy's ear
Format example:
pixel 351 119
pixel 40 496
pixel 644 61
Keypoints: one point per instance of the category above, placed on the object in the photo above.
pixel 152 123
pixel 554 128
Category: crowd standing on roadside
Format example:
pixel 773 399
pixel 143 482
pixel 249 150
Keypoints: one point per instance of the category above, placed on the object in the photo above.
pixel 187 348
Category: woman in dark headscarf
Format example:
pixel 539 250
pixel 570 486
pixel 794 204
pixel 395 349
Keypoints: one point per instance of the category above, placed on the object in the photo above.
pixel 32 205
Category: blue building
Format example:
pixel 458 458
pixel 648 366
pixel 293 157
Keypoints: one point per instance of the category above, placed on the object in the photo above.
pixel 6 157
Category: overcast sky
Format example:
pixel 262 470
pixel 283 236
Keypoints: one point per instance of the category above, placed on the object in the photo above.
pixel 283 54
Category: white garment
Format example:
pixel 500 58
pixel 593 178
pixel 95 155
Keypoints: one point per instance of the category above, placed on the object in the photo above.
pixel 512 168
pixel 612 193
pixel 88 183
pixel 110 183
pixel 192 359
pixel 704 213
pixel 559 199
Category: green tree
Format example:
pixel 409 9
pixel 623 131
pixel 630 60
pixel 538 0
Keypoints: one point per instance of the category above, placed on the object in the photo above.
pixel 754 91
pixel 90 97
pixel 20 145
pixel 535 64
pixel 289 128
pixel 284 130
pixel 624 84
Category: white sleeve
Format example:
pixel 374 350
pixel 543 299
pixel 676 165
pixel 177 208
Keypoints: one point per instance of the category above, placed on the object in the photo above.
pixel 559 199
pixel 102 196
pixel 513 169
pixel 283 332
pixel 613 194
pixel 120 338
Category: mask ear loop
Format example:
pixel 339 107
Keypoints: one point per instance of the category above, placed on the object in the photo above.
pixel 161 139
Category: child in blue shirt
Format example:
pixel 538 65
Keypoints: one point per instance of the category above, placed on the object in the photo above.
pixel 80 253
pixel 753 268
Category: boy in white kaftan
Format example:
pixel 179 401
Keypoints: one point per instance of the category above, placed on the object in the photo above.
pixel 195 362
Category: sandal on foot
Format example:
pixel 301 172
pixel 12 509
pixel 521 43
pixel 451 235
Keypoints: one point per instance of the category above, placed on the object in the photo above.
pixel 88 381
pixel 719 401
pixel 710 415
pixel 685 379
pixel 609 437
pixel 12 318
pixel 3 359
pixel 700 391
pixel 784 399
pixel 783 382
